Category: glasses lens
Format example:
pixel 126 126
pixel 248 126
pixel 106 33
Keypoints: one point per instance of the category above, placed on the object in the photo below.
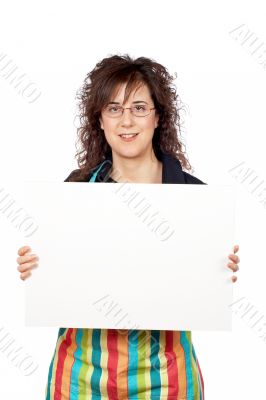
pixel 113 111
pixel 140 110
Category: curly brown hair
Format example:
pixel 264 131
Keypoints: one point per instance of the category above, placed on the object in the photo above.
pixel 102 83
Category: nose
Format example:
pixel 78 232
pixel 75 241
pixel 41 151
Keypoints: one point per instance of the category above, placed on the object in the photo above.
pixel 126 118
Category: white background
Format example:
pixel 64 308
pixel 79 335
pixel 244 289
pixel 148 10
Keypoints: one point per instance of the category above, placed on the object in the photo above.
pixel 223 88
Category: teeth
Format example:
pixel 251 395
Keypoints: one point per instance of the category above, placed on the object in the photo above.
pixel 128 135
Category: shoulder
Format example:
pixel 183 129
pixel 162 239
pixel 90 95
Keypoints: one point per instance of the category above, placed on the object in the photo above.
pixel 192 179
pixel 76 176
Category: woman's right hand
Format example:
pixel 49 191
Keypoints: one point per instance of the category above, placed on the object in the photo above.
pixel 26 262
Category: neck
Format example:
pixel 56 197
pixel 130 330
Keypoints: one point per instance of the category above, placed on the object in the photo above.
pixel 141 169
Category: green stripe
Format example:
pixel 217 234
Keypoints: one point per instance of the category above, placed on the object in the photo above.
pixel 141 358
pixel 84 360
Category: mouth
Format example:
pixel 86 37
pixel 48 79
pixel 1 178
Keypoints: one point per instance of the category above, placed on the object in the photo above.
pixel 128 137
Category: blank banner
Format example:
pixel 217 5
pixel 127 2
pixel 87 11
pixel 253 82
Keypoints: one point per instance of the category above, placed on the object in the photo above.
pixel 130 256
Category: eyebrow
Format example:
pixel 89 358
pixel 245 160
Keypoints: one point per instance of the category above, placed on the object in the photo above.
pixel 134 102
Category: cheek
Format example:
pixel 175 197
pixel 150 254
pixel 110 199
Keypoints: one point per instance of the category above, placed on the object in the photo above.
pixel 150 127
pixel 110 130
pixel 107 126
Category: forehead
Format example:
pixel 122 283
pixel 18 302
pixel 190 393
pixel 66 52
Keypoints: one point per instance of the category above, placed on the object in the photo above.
pixel 139 92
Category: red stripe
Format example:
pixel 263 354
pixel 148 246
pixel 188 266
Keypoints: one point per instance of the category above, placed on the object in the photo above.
pixel 62 352
pixel 112 363
pixel 171 365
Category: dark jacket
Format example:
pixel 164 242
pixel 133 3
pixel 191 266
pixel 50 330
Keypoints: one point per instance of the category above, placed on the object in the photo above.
pixel 172 172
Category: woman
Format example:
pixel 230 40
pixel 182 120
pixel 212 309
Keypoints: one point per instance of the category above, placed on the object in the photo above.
pixel 129 133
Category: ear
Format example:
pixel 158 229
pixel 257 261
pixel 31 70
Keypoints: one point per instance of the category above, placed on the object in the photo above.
pixel 101 122
pixel 156 120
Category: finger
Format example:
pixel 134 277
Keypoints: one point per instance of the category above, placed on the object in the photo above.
pixel 25 275
pixel 27 266
pixel 233 267
pixel 234 258
pixel 24 259
pixel 236 248
pixel 234 278
pixel 23 250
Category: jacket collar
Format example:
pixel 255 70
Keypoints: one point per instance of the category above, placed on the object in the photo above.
pixel 172 170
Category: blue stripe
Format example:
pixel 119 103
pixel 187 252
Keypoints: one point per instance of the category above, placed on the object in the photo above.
pixel 132 364
pixel 155 365
pixel 74 389
pixel 96 362
pixel 93 178
pixel 48 388
pixel 186 346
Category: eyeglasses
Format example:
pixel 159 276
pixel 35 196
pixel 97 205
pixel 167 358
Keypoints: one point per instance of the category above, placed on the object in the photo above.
pixel 137 110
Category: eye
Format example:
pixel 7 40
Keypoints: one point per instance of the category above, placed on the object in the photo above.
pixel 140 108
pixel 113 108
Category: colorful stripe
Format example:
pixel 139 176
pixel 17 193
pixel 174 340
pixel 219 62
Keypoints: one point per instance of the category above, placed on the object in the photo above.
pixel 163 366
pixel 96 362
pixel 185 342
pixel 49 389
pixel 173 386
pixel 180 356
pixel 77 364
pixel 122 364
pixel 112 364
pixel 119 364
pixel 83 373
pixel 155 365
pixel 133 357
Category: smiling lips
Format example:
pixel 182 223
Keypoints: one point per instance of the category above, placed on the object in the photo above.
pixel 128 135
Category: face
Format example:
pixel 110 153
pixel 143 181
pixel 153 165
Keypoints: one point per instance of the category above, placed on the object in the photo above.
pixel 141 145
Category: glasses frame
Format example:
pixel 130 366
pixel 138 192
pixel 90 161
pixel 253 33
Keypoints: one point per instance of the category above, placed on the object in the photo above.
pixel 128 108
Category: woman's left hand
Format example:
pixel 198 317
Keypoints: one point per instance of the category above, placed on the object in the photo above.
pixel 234 265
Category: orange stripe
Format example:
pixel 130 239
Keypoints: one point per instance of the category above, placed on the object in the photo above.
pixel 122 365
pixel 181 365
pixel 69 361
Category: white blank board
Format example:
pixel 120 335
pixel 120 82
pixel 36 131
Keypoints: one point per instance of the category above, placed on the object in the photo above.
pixel 130 256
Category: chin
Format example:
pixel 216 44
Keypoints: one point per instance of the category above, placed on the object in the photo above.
pixel 128 154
